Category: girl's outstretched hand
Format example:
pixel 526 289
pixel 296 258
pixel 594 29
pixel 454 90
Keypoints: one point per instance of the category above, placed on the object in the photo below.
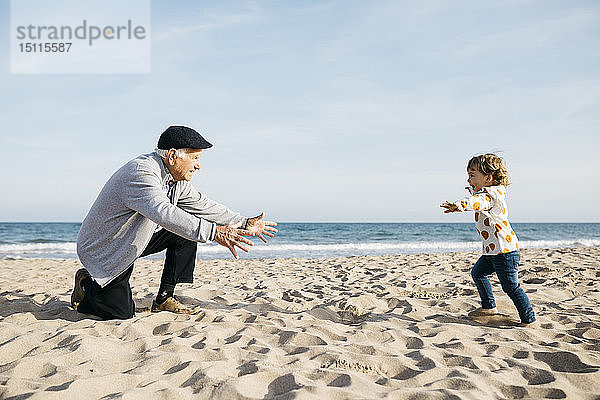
pixel 450 207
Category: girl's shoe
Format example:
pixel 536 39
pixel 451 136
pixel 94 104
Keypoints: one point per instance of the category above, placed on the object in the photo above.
pixel 482 312
pixel 531 324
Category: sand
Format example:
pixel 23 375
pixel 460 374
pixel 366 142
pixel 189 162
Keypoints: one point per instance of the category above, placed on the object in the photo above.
pixel 393 327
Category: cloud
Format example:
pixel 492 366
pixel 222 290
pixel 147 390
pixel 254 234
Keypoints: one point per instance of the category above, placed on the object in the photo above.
pixel 587 94
pixel 532 36
pixel 211 21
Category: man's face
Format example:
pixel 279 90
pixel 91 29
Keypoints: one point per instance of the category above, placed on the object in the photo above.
pixel 183 168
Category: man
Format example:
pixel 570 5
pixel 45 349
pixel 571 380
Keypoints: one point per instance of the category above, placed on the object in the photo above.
pixel 147 206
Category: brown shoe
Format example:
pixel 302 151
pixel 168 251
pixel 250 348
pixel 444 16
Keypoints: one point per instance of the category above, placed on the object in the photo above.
pixel 175 306
pixel 483 312
pixel 532 324
pixel 78 293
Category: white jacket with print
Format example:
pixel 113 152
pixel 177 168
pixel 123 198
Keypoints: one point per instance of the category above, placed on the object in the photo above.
pixel 491 219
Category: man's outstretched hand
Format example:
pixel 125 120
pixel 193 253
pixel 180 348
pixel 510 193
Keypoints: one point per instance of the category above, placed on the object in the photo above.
pixel 231 238
pixel 259 227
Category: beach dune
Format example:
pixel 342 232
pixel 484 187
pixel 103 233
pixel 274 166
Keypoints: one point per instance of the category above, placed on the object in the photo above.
pixel 366 327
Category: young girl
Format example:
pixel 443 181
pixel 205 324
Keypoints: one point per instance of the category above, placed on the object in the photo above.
pixel 488 179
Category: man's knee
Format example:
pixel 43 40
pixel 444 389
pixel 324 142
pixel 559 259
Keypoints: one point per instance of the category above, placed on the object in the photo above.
pixel 179 242
pixel 188 243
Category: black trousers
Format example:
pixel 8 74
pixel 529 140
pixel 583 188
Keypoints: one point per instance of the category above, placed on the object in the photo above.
pixel 114 301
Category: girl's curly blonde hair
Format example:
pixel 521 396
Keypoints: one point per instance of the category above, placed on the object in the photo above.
pixel 491 164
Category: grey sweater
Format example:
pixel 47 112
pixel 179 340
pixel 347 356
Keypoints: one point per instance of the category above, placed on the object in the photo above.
pixel 129 208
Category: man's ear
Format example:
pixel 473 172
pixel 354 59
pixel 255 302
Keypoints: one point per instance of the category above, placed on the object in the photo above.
pixel 171 156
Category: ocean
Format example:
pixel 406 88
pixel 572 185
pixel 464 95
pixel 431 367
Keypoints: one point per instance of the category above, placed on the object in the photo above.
pixel 317 240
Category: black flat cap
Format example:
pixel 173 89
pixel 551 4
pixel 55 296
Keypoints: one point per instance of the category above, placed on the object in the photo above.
pixel 182 137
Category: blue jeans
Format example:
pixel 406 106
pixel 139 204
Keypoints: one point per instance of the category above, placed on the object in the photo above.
pixel 506 266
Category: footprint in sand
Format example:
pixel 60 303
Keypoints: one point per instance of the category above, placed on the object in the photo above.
pixel 57 388
pixel 564 361
pixel 200 344
pixel 341 381
pixel 414 343
pixel 283 384
pixel 177 368
pixel 394 303
pixel 350 314
pixel 534 281
pixel 248 368
pixel 536 376
pixel 295 296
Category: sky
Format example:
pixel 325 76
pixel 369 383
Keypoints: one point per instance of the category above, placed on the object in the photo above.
pixel 326 111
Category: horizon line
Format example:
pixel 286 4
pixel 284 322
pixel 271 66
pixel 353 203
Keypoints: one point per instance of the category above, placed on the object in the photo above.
pixel 340 222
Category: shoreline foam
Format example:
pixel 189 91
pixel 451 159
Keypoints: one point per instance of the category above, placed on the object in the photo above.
pixel 66 250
